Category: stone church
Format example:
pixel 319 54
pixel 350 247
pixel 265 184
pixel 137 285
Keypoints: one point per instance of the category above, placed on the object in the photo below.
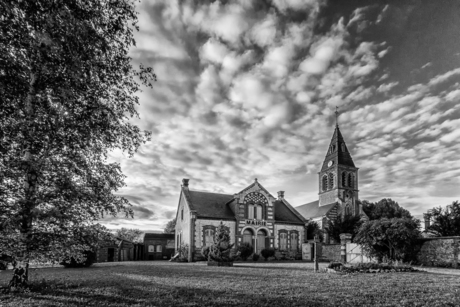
pixel 253 215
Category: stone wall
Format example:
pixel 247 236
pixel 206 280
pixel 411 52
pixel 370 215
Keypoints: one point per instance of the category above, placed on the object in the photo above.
pixel 440 251
pixel 330 252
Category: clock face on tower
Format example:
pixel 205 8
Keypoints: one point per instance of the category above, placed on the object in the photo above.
pixel 330 163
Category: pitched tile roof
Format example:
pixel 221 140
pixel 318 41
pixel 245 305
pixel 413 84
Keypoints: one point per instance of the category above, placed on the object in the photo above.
pixel 153 236
pixel 213 205
pixel 284 214
pixel 312 210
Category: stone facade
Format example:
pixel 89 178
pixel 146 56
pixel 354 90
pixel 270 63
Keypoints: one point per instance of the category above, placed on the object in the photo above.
pixel 331 252
pixel 440 251
pixel 252 215
pixel 202 224
pixel 183 218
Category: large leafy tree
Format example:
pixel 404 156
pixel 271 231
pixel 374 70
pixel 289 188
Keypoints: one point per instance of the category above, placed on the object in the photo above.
pixel 67 92
pixel 130 234
pixel 445 221
pixel 170 226
pixel 392 239
pixel 346 224
pixel 385 208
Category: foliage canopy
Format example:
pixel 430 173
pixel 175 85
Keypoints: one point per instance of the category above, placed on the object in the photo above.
pixel 392 239
pixel 445 221
pixel 67 92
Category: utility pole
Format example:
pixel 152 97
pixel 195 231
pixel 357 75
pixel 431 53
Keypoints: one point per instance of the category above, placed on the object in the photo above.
pixel 316 253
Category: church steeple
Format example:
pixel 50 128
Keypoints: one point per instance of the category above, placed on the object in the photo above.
pixel 338 177
pixel 337 151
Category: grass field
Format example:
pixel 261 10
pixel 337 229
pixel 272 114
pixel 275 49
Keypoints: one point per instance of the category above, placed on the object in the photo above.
pixel 246 284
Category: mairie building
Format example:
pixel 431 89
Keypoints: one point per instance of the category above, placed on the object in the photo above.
pixel 255 216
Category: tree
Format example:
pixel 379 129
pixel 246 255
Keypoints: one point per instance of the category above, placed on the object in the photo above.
pixel 130 234
pixel 445 222
pixel 170 226
pixel 220 250
pixel 348 224
pixel 392 239
pixel 313 230
pixel 385 208
pixel 67 92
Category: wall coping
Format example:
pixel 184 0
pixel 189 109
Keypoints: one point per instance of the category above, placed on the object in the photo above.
pixel 439 238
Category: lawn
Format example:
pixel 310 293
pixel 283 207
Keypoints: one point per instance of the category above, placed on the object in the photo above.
pixel 247 284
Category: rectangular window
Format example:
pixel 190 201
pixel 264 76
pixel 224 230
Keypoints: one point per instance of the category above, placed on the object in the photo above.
pixel 159 248
pixel 294 241
pixel 259 212
pixel 208 237
pixel 250 211
pixel 283 241
pixel 151 248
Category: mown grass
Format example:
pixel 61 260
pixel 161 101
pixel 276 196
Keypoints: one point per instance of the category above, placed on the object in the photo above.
pixel 251 284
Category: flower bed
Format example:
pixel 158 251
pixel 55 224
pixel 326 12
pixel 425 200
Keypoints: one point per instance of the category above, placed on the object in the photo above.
pixel 369 268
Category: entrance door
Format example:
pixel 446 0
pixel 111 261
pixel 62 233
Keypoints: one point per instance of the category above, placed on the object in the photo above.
pixel 110 254
pixel 261 235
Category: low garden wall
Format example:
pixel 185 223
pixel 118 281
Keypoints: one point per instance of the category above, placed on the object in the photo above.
pixel 440 251
pixel 330 252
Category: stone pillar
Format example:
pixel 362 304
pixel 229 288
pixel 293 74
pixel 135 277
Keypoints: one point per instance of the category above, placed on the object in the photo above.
pixel 456 253
pixel 344 239
pixel 191 248
pixel 426 218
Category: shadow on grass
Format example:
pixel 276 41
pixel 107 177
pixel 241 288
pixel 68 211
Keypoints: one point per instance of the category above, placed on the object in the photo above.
pixel 124 292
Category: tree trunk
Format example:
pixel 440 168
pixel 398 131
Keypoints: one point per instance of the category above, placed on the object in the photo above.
pixel 21 260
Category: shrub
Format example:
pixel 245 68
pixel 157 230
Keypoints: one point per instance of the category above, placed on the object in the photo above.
pixel 183 252
pixel 255 257
pixel 245 250
pixel 205 252
pixel 267 253
pixel 77 263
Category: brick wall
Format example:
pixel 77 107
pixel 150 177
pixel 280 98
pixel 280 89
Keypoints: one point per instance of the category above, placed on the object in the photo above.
pixel 439 251
pixel 331 252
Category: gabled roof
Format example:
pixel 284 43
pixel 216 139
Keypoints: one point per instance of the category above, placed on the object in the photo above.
pixel 313 209
pixel 335 152
pixel 284 214
pixel 259 185
pixel 213 205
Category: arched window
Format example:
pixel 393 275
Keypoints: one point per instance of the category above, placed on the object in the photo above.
pixel 247 236
pixel 259 212
pixel 261 235
pixel 294 241
pixel 350 180
pixel 283 241
pixel 151 248
pixel 344 179
pixel 324 183
pixel 208 237
pixel 159 248
pixel 331 181
pixel 182 215
pixel 250 211
pixel 347 210
pixel 343 147
pixel 253 201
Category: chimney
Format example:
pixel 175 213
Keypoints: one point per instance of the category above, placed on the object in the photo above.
pixel 185 183
pixel 281 195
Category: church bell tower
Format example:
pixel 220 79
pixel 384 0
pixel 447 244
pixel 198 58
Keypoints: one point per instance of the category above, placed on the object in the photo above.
pixel 338 178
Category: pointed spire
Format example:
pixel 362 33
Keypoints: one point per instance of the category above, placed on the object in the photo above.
pixel 336 116
pixel 337 151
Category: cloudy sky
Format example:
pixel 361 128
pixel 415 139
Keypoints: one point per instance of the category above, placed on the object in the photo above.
pixel 248 89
